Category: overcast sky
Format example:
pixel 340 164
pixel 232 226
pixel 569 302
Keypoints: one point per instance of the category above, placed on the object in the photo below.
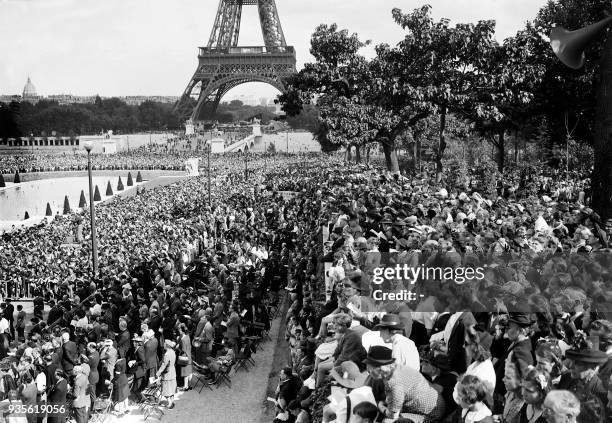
pixel 149 47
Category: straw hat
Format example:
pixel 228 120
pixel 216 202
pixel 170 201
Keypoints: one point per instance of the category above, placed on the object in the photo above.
pixel 348 375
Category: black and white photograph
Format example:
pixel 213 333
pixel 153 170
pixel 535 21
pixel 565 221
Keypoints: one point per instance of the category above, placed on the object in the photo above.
pixel 267 211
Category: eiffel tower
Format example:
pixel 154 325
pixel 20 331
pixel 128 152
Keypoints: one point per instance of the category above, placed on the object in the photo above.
pixel 222 65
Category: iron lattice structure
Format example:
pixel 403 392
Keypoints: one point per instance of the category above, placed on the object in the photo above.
pixel 223 65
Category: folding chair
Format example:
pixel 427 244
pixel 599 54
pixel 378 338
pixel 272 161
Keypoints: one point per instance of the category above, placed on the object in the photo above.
pixel 199 374
pixel 243 358
pixel 261 327
pixel 255 341
pixel 223 376
pixel 150 405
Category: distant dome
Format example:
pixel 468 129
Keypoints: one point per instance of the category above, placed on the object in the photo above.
pixel 29 91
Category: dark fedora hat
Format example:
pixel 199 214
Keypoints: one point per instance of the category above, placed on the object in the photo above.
pixel 389 321
pixel 590 356
pixel 441 361
pixel 379 356
pixel 523 320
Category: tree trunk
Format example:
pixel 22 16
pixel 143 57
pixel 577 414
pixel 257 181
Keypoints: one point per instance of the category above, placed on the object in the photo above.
pixel 390 156
pixel 415 154
pixel 349 155
pixel 516 147
pixel 368 155
pixel 357 154
pixel 601 180
pixel 418 150
pixel 501 150
pixel 441 144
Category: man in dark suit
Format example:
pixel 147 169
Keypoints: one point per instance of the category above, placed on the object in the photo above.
pixel 69 353
pixel 57 396
pixel 9 315
pixel 55 313
pixel 93 359
pixel 137 367
pixel 123 339
pixel 150 350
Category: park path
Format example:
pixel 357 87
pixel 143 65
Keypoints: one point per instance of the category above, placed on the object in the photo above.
pixel 244 402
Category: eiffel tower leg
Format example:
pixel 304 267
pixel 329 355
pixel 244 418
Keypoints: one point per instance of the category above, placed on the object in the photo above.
pixel 184 105
pixel 208 102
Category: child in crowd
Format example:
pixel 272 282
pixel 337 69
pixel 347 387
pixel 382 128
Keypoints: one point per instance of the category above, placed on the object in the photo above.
pixel 364 412
pixel 470 394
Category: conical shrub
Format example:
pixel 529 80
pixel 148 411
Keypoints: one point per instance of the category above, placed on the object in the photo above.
pixel 120 185
pixel 2 183
pixel 17 179
pixel 109 189
pixel 82 202
pixel 48 212
pixel 138 177
pixel 26 216
pixel 129 181
pixel 97 196
pixel 66 205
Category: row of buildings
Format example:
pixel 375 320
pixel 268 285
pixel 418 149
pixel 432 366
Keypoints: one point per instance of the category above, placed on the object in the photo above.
pixel 30 95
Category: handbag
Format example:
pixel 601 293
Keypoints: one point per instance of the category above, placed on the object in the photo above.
pixel 182 360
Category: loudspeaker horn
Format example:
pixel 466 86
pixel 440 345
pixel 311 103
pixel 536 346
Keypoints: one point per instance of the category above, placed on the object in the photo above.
pixel 569 46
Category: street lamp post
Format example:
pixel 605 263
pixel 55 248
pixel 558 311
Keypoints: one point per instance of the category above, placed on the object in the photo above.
pixel 246 169
pixel 209 146
pixel 94 245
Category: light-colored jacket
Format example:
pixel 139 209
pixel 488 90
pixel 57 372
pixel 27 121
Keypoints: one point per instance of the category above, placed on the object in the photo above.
pixel 167 370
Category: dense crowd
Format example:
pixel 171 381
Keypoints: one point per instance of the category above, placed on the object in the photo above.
pixel 185 282
pixel 182 287
pixel 141 158
pixel 529 341
pixel 168 155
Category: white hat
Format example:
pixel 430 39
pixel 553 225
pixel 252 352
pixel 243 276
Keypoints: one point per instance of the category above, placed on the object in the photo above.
pixel 442 193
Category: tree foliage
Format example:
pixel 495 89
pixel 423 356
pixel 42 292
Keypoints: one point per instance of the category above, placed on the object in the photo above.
pixel 44 117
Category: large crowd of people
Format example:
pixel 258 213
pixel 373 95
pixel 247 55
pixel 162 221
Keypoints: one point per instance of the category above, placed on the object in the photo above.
pixel 181 284
pixel 182 281
pixel 530 340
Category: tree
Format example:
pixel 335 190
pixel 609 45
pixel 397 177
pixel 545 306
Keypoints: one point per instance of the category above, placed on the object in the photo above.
pixel 578 100
pixel 48 211
pixel 441 64
pixel 97 196
pixel 109 189
pixel 358 100
pixel 138 177
pixel 66 205
pixel 17 178
pixel 504 90
pixel 2 183
pixel 82 202
pixel 120 185
pixel 130 182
